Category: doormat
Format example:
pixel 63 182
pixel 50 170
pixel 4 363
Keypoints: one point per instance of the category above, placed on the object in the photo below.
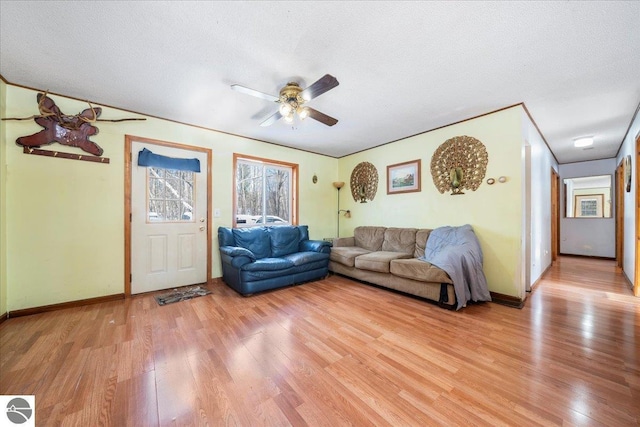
pixel 181 295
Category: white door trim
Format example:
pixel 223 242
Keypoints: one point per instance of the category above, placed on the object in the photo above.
pixel 127 202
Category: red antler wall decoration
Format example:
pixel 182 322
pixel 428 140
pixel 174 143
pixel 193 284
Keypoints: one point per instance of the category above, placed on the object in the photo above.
pixel 66 130
pixel 71 130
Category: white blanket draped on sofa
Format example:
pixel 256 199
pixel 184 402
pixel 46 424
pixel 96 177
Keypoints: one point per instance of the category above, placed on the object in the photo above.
pixel 457 251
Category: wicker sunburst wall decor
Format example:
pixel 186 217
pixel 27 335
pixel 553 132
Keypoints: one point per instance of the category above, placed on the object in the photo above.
pixel 459 163
pixel 364 182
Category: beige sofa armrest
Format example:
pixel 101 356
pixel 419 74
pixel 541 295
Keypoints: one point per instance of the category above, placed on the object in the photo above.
pixel 344 241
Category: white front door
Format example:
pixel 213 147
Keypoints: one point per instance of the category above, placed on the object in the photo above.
pixel 168 222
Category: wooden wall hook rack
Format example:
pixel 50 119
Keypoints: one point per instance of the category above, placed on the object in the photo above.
pixel 61 155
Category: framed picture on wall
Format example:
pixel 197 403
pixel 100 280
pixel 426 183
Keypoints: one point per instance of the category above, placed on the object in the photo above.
pixel 588 206
pixel 403 177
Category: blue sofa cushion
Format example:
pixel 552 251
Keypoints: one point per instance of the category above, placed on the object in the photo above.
pixel 225 237
pixel 256 239
pixel 284 240
pixel 277 278
pixel 269 264
pixel 303 258
pixel 304 232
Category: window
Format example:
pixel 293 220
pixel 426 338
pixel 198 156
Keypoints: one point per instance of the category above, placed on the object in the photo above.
pixel 265 192
pixel 170 195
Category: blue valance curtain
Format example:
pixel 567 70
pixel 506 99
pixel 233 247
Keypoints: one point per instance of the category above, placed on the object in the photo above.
pixel 148 158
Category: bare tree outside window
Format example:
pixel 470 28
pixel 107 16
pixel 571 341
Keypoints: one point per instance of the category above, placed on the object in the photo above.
pixel 263 193
pixel 170 195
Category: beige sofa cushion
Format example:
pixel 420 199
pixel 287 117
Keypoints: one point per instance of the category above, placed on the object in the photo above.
pixel 346 254
pixel 421 241
pixel 378 261
pixel 418 270
pixel 343 241
pixel 399 240
pixel 369 238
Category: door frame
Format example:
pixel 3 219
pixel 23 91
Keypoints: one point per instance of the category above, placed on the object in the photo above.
pixel 636 278
pixel 128 159
pixel 619 205
pixel 527 238
pixel 555 215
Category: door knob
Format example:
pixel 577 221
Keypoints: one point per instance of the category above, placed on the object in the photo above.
pixel 201 219
pixel 202 228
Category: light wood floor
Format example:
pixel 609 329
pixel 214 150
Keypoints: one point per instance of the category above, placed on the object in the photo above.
pixel 337 352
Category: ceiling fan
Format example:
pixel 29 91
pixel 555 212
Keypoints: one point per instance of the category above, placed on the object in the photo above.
pixel 292 99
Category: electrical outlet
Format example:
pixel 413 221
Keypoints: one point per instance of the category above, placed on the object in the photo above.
pixel 216 213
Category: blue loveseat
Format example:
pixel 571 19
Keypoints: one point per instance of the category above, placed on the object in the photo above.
pixel 260 258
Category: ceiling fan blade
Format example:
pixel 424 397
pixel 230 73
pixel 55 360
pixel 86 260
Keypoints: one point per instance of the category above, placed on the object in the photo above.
pixel 327 82
pixel 253 92
pixel 272 119
pixel 321 117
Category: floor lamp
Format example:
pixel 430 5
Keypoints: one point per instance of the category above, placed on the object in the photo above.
pixel 347 213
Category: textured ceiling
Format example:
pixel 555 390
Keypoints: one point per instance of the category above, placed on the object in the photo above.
pixel 403 67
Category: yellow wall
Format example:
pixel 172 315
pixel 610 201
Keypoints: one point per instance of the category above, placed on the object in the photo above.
pixel 3 187
pixel 494 211
pixel 66 239
pixel 66 236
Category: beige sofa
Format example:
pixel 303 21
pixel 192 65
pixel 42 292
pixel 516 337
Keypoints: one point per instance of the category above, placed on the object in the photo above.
pixel 388 257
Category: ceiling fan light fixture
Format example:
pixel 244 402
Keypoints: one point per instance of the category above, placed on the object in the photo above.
pixel 291 99
pixel 289 117
pixel 583 142
pixel 303 112
pixel 285 109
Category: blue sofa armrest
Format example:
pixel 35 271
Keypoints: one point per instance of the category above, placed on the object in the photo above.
pixel 239 256
pixel 315 246
pixel 233 251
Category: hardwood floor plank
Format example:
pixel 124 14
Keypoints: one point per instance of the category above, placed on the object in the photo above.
pixel 177 393
pixel 136 399
pixel 307 378
pixel 217 400
pixel 289 411
pixel 96 384
pixel 66 379
pixel 337 352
